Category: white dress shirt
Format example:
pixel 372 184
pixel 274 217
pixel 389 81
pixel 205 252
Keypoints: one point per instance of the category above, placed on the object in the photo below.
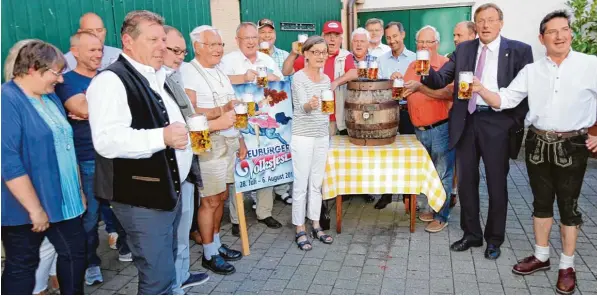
pixel 110 119
pixel 193 80
pixel 490 69
pixel 379 50
pixel 561 98
pixel 236 63
pixel 110 56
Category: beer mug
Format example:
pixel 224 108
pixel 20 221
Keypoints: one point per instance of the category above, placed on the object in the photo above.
pixel 199 133
pixel 422 64
pixel 301 40
pixel 262 76
pixel 372 71
pixel 398 89
pixel 465 85
pixel 327 101
pixel 362 70
pixel 248 99
pixel 242 119
pixel 264 47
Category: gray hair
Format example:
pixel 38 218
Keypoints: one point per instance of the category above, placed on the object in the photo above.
pixel 74 40
pixel 244 25
pixel 9 63
pixel 470 26
pixel 373 21
pixel 428 27
pixel 360 31
pixel 133 19
pixel 197 36
pixel 312 41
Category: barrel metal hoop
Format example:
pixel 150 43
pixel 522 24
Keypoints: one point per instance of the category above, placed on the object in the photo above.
pixel 382 84
pixel 371 127
pixel 370 107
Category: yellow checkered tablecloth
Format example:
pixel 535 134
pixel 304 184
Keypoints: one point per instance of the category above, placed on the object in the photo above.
pixel 402 167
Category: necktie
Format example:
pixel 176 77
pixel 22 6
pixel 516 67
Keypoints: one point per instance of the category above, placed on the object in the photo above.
pixel 472 104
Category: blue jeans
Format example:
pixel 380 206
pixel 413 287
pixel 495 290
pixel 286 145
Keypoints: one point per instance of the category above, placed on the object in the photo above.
pixel 436 141
pixel 182 263
pixel 21 246
pixel 91 216
pixel 107 216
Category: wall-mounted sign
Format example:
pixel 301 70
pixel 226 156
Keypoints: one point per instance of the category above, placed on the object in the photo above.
pixel 286 26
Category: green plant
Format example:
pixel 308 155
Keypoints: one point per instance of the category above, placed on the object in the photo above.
pixel 584 25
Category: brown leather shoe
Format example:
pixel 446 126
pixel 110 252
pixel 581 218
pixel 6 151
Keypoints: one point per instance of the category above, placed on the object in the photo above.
pixel 566 281
pixel 529 265
pixel 196 237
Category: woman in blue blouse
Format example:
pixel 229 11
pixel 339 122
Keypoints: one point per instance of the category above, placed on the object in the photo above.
pixel 41 194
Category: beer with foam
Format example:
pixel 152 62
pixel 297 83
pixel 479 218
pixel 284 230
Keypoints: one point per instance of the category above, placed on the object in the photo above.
pixel 262 76
pixel 398 89
pixel 422 65
pixel 327 102
pixel 247 98
pixel 301 40
pixel 242 119
pixel 465 85
pixel 362 70
pixel 199 133
pixel 372 71
pixel 264 47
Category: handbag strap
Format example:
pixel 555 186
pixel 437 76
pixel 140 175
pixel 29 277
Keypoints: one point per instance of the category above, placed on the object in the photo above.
pixel 209 84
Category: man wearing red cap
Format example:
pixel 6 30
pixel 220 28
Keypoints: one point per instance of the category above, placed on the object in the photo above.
pixel 339 67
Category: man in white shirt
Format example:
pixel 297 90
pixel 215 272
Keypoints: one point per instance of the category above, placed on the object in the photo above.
pixel 562 96
pixel 141 130
pixel 375 28
pixel 92 23
pixel 240 66
pixel 212 94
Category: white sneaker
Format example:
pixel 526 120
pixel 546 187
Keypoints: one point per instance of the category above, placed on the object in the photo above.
pixel 125 258
pixel 112 240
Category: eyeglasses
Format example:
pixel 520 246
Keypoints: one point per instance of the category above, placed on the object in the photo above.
pixel 426 42
pixel 488 22
pixel 318 53
pixel 177 51
pixel 250 38
pixel 556 32
pixel 56 73
pixel 213 45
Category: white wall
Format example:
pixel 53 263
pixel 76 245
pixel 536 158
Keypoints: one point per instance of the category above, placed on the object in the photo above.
pixel 521 17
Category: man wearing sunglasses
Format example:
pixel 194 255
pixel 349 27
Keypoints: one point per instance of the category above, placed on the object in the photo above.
pixel 92 23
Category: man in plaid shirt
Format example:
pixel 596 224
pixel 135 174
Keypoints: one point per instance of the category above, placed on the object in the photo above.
pixel 267 33
pixel 360 47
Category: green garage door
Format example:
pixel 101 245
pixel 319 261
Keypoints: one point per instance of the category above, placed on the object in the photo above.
pixel 443 19
pixel 298 16
pixel 55 21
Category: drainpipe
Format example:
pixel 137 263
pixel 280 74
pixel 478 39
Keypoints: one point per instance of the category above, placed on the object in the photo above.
pixel 351 15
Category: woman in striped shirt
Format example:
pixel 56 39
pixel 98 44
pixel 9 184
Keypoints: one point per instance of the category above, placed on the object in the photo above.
pixel 310 141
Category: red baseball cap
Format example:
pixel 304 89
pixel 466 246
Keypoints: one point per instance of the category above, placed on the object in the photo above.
pixel 332 27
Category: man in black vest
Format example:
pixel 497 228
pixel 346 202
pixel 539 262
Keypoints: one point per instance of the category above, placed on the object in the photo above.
pixel 137 124
pixel 478 131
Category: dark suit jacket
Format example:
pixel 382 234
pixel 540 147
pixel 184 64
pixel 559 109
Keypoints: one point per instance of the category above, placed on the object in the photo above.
pixel 513 56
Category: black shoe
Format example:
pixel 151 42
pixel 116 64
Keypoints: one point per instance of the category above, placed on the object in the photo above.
pixel 369 198
pixel 492 252
pixel 218 265
pixel 465 244
pixel 229 254
pixel 270 222
pixel 385 200
pixel 235 230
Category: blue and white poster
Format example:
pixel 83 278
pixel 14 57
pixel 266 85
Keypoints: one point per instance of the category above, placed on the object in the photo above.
pixel 267 137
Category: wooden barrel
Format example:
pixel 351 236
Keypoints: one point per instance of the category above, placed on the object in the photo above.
pixel 370 113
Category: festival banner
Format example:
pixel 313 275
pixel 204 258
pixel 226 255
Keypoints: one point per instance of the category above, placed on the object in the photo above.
pixel 267 137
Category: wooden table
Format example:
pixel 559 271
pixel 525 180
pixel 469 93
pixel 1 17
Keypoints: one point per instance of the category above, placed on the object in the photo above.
pixel 403 167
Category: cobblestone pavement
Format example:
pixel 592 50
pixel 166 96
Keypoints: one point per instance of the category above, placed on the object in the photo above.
pixel 376 254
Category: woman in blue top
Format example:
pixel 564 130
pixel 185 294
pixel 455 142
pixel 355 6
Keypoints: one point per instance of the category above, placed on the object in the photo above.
pixel 40 183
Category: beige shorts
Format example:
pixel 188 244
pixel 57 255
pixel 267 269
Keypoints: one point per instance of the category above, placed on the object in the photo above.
pixel 217 165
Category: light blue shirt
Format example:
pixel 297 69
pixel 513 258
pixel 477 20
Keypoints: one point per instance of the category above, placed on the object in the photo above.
pixel 389 64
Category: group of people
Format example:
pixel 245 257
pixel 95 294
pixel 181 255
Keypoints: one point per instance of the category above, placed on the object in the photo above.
pixel 110 136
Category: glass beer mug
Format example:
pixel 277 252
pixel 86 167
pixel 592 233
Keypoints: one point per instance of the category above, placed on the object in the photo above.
pixel 372 71
pixel 199 133
pixel 465 85
pixel 262 76
pixel 248 99
pixel 422 64
pixel 398 89
pixel 242 119
pixel 301 40
pixel 362 70
pixel 264 47
pixel 327 101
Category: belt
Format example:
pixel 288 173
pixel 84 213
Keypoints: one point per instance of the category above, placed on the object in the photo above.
pixel 434 125
pixel 403 107
pixel 483 108
pixel 554 136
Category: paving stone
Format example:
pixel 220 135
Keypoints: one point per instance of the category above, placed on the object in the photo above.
pixel 466 288
pixel 300 283
pixel 491 289
pixel 227 287
pixel 542 291
pixel 291 260
pixel 251 285
pixel 116 283
pixel 512 291
pixel 294 292
pixel 368 289
pixel 346 284
pixel 328 265
pixel 350 272
pixel 268 263
pixel 274 285
pixel 283 272
pixel 354 260
pixel 336 291
pixel 320 289
pixel 441 286
pixel 103 292
pixel 128 289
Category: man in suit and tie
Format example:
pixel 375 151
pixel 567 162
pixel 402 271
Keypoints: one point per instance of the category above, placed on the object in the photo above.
pixel 478 131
